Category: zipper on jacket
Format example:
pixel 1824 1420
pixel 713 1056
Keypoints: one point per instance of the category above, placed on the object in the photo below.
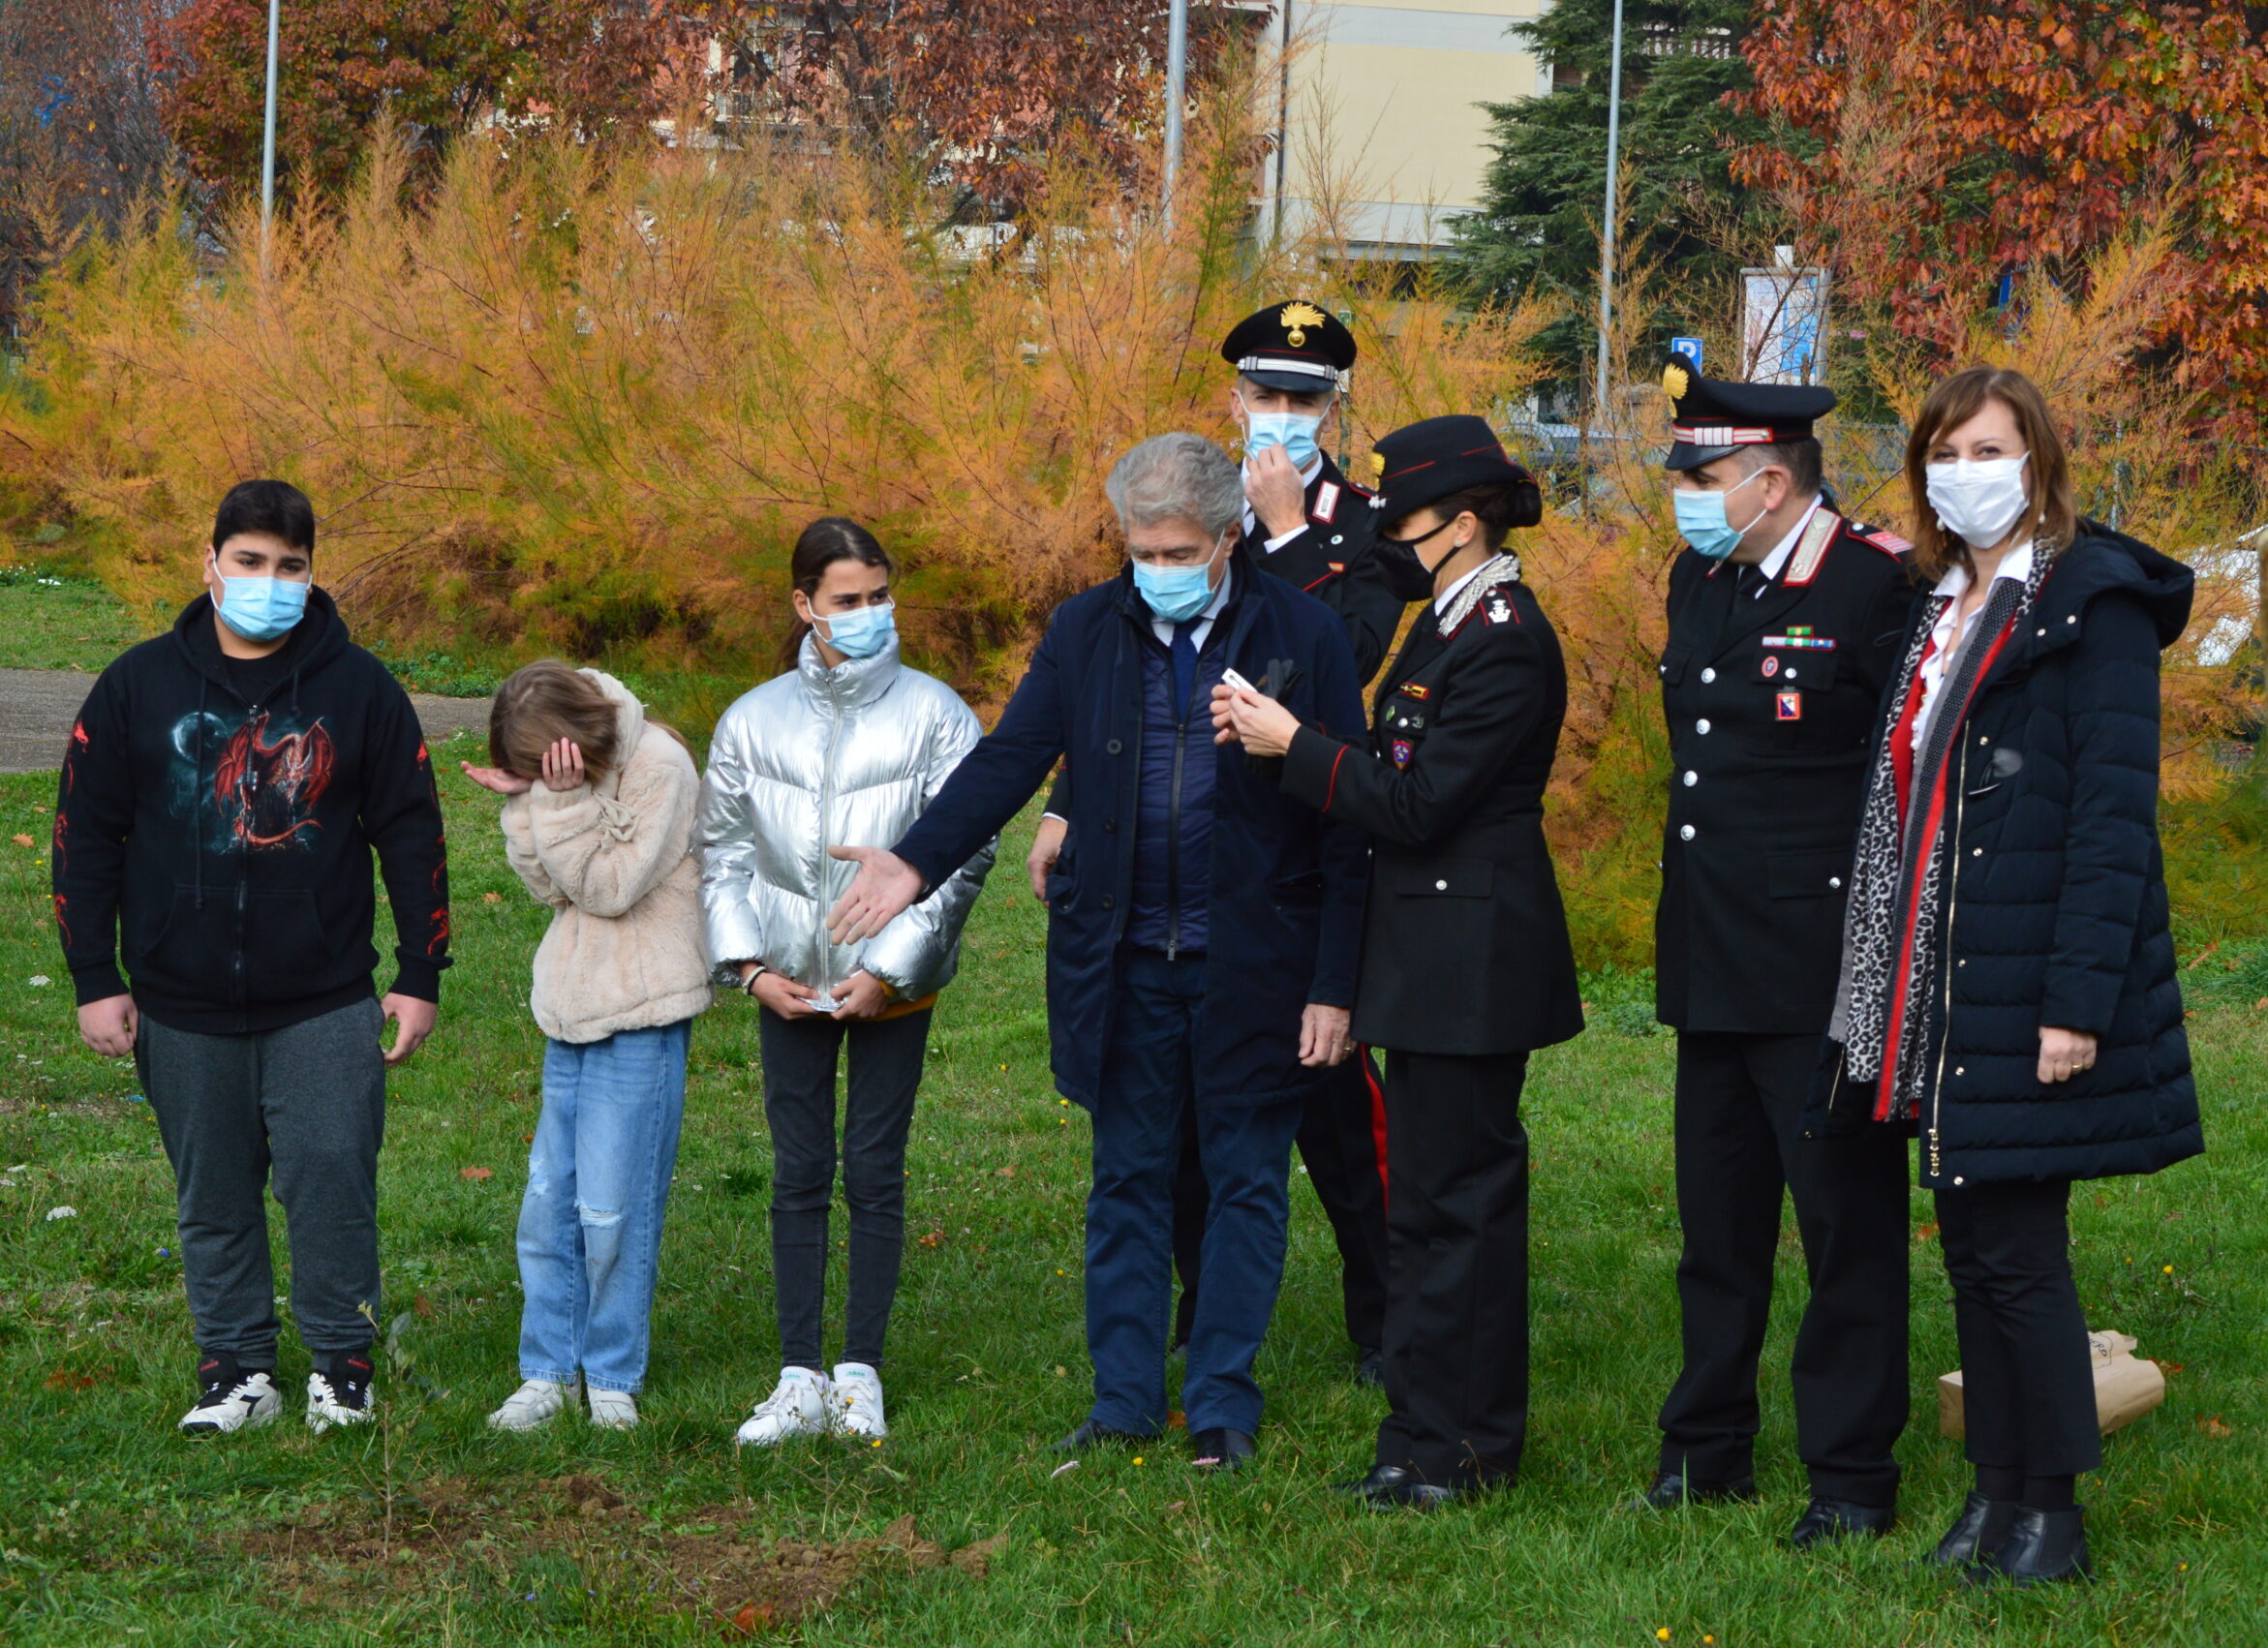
pixel 244 804
pixel 823 950
pixel 1944 1034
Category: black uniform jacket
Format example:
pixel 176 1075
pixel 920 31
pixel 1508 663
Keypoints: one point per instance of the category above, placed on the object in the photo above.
pixel 1331 558
pixel 1772 702
pixel 1464 939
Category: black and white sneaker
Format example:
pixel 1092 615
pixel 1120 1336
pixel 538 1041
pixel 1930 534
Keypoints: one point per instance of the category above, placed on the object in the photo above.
pixel 235 1398
pixel 338 1390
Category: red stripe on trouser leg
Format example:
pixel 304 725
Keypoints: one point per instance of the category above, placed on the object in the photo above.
pixel 1377 1115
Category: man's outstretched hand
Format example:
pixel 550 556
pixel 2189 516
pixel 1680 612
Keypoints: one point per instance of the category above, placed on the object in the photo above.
pixel 885 885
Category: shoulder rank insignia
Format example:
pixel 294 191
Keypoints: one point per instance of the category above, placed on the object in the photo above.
pixel 1882 537
pixel 1496 609
pixel 1818 533
pixel 1326 503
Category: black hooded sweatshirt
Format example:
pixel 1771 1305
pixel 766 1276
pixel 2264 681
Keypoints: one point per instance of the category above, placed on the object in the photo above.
pixel 220 814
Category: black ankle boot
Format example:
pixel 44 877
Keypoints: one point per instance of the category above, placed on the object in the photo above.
pixel 2042 1549
pixel 1983 1523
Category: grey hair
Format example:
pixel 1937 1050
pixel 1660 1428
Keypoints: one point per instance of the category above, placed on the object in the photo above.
pixel 1176 478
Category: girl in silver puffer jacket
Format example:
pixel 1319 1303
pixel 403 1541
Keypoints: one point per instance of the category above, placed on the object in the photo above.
pixel 844 749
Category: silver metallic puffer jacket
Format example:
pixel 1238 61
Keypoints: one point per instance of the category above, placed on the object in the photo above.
pixel 845 757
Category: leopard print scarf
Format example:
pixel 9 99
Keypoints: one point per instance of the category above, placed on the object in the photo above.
pixel 1897 862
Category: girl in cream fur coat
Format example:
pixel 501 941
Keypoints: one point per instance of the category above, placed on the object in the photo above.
pixel 597 821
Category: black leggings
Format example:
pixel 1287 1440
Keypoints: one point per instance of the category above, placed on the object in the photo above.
pixel 2027 1379
pixel 877 1112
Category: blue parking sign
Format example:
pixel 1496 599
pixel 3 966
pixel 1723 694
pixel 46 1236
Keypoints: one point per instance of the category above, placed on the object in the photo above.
pixel 1690 348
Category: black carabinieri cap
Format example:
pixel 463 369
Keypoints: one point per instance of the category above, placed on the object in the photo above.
pixel 1711 418
pixel 1296 346
pixel 1423 463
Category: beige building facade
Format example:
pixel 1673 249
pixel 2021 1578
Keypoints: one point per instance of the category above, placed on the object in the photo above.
pixel 1378 103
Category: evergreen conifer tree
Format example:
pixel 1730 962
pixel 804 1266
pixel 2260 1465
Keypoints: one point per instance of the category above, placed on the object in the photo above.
pixel 1536 230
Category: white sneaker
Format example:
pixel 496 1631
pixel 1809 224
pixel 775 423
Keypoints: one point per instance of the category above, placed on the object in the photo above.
pixel 797 1407
pixel 856 1397
pixel 613 1409
pixel 340 1401
pixel 233 1401
pixel 535 1404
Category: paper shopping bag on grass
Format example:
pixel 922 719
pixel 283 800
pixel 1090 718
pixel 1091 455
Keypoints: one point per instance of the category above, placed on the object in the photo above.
pixel 2125 1386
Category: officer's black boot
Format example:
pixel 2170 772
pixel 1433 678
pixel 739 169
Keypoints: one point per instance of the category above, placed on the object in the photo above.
pixel 2042 1549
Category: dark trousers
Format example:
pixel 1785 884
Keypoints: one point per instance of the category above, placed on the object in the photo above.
pixel 2027 1378
pixel 1139 1123
pixel 306 1103
pixel 1738 1099
pixel 1339 1147
pixel 1456 1233
pixel 885 1061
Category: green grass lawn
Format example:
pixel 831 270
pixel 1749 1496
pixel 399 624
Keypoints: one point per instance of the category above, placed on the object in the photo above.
pixel 54 619
pixel 429 1529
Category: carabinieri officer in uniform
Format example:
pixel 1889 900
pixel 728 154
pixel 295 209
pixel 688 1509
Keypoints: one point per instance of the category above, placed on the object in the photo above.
pixel 1786 622
pixel 1306 524
pixel 1466 966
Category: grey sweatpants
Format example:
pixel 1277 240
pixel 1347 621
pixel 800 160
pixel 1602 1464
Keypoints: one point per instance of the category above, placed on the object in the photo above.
pixel 309 1102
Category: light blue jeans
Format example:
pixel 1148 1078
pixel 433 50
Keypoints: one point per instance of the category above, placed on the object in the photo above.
pixel 590 1222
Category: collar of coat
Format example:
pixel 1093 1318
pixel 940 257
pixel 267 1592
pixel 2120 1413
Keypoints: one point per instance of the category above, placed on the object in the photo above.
pixel 2098 562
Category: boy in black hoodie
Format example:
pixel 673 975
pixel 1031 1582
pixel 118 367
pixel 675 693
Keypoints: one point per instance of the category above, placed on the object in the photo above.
pixel 223 791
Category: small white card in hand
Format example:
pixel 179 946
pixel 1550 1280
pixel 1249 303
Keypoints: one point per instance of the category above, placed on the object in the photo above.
pixel 1229 677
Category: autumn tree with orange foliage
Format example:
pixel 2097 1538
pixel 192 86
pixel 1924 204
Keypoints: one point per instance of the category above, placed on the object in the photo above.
pixel 1929 149
pixel 598 68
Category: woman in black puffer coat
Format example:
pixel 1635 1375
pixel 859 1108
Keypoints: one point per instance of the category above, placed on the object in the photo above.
pixel 2007 988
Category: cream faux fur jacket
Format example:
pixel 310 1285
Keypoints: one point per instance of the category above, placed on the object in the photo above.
pixel 615 862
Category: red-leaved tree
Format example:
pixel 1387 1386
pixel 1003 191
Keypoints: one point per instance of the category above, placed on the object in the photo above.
pixel 1931 148
pixel 981 89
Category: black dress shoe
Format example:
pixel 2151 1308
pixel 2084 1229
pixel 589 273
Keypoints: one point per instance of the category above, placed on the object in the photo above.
pixel 2041 1547
pixel 1370 1370
pixel 1093 1433
pixel 1670 1489
pixel 1983 1523
pixel 1826 1520
pixel 1220 1449
pixel 1390 1487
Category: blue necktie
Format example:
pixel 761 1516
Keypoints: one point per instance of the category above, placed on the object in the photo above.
pixel 1183 652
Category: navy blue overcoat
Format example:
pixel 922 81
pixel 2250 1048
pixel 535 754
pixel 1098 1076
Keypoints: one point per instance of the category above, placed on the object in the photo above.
pixel 1287 888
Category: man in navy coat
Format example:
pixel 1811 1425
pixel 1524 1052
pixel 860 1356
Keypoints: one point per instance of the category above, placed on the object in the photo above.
pixel 1203 929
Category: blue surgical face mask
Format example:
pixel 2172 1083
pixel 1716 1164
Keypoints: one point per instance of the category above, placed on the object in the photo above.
pixel 1175 593
pixel 1293 432
pixel 864 633
pixel 1700 519
pixel 262 609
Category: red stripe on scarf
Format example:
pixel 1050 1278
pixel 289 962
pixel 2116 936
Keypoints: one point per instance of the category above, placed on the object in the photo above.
pixel 1902 766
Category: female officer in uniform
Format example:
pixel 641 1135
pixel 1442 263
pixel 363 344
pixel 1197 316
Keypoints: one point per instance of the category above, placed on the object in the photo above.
pixel 1466 965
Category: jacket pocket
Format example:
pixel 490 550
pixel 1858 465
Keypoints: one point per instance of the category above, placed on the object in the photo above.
pixel 1443 878
pixel 1302 892
pixel 1806 875
pixel 286 952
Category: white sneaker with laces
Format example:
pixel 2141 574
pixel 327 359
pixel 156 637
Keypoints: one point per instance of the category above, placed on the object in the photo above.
pixel 327 1406
pixel 535 1404
pixel 856 1392
pixel 797 1406
pixel 234 1404
pixel 613 1409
